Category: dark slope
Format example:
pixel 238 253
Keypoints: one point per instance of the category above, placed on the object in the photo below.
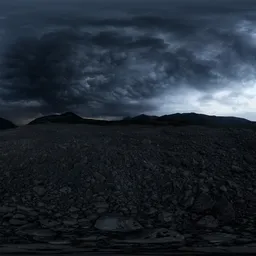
pixel 67 117
pixel 204 120
pixel 6 124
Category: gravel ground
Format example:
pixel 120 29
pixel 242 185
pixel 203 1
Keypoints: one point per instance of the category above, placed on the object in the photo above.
pixel 113 187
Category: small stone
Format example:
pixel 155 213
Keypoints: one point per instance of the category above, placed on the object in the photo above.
pixel 219 238
pixel 146 141
pixel 161 235
pixel 101 210
pixel 24 208
pixel 19 216
pixel 236 168
pixel 28 226
pixel 88 193
pixel 117 224
pixel 33 213
pixel 203 175
pixel 208 221
pixel 74 215
pixel 41 204
pixel 73 209
pixel 65 190
pixel 8 215
pixel 189 199
pixel 225 211
pixel 166 198
pixel 6 209
pixel 43 233
pixel 223 188
pixel 173 170
pixel 186 173
pixel 39 190
pixel 249 158
pixel 92 217
pixel 48 223
pixel 152 211
pixel 228 229
pixel 17 222
pixel 202 203
pixel 165 217
pixel 204 189
pixel 232 184
pixel 84 223
pixel 101 205
pixel 60 242
pixel 71 222
pixel 99 177
pixel 38 182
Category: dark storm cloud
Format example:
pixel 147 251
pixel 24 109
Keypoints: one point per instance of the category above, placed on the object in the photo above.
pixel 61 58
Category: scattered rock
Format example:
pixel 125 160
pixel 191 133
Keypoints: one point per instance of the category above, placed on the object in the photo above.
pixel 228 229
pixel 99 177
pixel 43 235
pixel 40 190
pixel 202 203
pixel 208 222
pixel 165 217
pixel 218 237
pixel 223 188
pixel 19 216
pixel 70 222
pixel 60 242
pixel 157 236
pixel 48 223
pixel 117 224
pixel 249 158
pixel 73 209
pixel 6 209
pixel 17 222
pixel 202 184
pixel 66 190
pixel 225 211
pixel 24 208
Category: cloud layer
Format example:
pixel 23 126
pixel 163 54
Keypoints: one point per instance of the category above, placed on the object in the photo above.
pixel 118 63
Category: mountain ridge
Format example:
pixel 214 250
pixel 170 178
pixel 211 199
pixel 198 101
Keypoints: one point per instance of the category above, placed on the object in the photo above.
pixel 176 119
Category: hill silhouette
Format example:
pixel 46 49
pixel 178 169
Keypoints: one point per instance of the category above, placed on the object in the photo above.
pixel 67 117
pixel 6 124
pixel 178 119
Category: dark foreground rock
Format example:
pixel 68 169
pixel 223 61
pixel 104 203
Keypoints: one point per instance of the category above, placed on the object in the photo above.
pixel 79 186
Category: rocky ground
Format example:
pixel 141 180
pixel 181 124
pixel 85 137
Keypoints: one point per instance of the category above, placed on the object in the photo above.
pixel 110 188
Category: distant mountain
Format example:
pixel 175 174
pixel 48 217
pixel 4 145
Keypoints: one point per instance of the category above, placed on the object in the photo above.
pixel 144 118
pixel 178 119
pixel 67 117
pixel 204 120
pixel 6 124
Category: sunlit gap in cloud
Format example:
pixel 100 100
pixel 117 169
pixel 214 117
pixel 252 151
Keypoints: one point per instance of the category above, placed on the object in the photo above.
pixel 229 101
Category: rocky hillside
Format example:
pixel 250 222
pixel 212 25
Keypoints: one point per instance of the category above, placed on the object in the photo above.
pixel 93 186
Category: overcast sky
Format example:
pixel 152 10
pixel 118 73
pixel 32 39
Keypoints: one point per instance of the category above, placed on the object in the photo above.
pixel 109 59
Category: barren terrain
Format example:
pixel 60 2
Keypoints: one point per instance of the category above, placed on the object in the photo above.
pixel 95 186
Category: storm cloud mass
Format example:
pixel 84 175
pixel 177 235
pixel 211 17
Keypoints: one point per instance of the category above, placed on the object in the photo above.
pixel 117 58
